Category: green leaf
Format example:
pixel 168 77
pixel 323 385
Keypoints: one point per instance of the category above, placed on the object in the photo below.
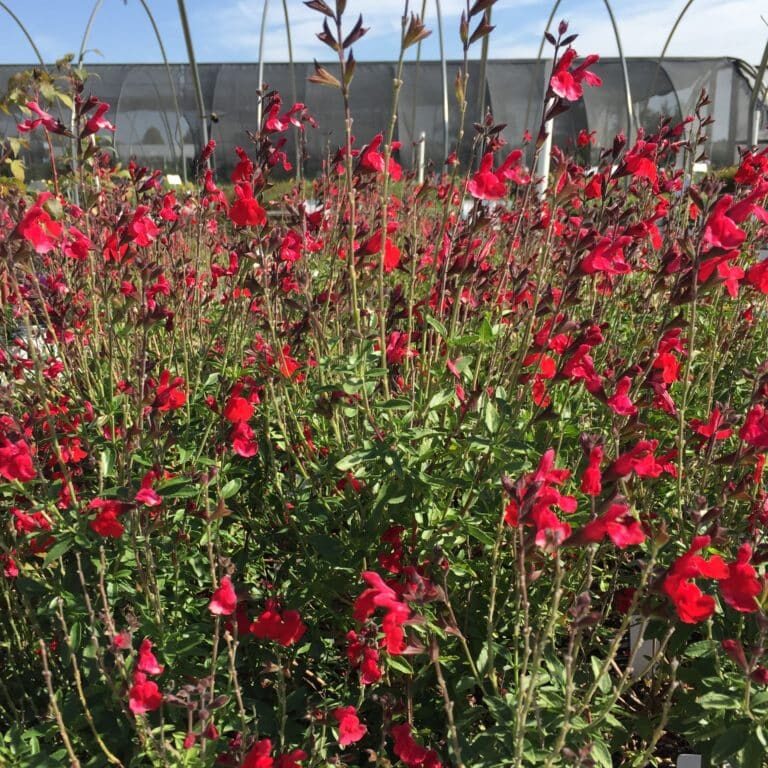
pixel 17 169
pixel 492 420
pixel 480 535
pixel 486 332
pixel 440 398
pixel 59 549
pixel 699 649
pixel 400 664
pixel 329 548
pixel 714 700
pixel 438 326
pixel 231 488
pixel 106 462
pixel 351 460
pixel 730 743
pixel 604 681
pixel 65 99
pixel 601 754
pixel 183 492
pixel 75 635
pixel 754 751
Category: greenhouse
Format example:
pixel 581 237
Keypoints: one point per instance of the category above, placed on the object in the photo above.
pixel 149 129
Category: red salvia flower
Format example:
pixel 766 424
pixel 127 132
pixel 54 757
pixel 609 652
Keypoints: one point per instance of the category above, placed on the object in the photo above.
pixel 742 585
pixel 147 662
pixel 168 210
pixel 691 604
pixel 607 257
pixel 25 522
pixel 106 522
pixel 148 496
pixel 48 121
pixel 409 751
pixel 620 402
pixel 535 495
pixel 617 524
pixel 142 230
pixel 399 348
pixel 77 245
pixel 259 756
pixel 735 651
pixel 372 160
pixel 640 459
pixel 144 695
pixel 16 460
pixel 713 428
pixel 293 759
pixel 591 480
pixel 38 228
pixel 243 440
pixel 246 211
pixel 566 82
pixel 169 394
pixel 640 162
pixel 237 409
pixel 721 231
pixel 10 568
pixel 364 658
pixel 350 727
pixel 224 599
pixel 485 184
pixel 381 595
pixel 97 122
pixel 284 627
pixel 755 428
pixel 244 169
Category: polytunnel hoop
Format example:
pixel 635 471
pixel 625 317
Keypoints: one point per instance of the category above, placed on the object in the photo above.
pixel 289 41
pixel 443 73
pixel 174 96
pixel 629 109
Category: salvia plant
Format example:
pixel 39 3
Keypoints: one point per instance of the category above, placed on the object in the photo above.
pixel 459 473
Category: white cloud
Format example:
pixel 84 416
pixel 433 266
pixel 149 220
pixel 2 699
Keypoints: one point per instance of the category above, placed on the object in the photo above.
pixel 709 28
pixel 236 25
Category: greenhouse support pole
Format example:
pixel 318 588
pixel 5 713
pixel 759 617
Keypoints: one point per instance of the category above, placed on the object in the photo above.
pixel 195 75
pixel 260 106
pixel 754 128
pixel 422 152
pixel 444 76
pixel 174 96
pixel 29 37
pixel 755 114
pixel 663 54
pixel 180 135
pixel 484 71
pixel 542 164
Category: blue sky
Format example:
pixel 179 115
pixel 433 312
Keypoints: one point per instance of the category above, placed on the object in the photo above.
pixel 228 30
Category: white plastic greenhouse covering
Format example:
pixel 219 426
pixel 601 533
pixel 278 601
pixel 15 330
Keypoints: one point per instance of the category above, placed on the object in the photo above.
pixel 149 129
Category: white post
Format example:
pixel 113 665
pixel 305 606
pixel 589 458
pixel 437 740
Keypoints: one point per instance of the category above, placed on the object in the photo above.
pixel 754 134
pixel 644 653
pixel 542 165
pixel 422 156
pixel 259 106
